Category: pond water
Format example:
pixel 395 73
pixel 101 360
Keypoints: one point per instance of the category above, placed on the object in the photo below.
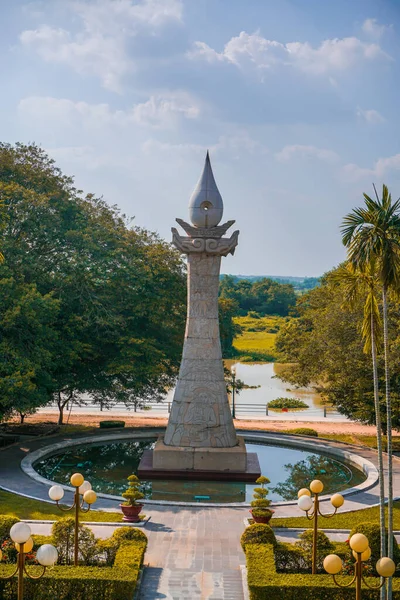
pixel 252 402
pixel 107 465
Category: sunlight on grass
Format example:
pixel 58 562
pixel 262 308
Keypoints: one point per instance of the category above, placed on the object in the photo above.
pixel 24 508
pixel 258 335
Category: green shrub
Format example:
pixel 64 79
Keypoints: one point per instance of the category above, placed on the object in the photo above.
pixel 305 545
pixel 5 525
pixel 253 314
pixel 373 532
pixel 121 535
pixel 260 503
pixel 266 584
pixel 289 558
pixel 82 583
pixel 111 424
pixel 62 538
pixel 132 494
pixel 304 431
pixel 259 533
pixel 280 403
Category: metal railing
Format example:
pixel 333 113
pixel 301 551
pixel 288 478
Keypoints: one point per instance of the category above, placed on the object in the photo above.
pixel 241 410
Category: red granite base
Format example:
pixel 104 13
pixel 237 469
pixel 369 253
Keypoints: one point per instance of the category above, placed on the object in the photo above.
pixel 146 471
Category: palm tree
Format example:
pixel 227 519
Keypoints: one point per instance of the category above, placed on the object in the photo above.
pixel 372 237
pixel 357 285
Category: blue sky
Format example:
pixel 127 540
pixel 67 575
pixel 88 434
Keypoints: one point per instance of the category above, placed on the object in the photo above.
pixel 297 101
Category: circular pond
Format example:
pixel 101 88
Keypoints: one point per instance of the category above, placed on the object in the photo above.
pixel 107 465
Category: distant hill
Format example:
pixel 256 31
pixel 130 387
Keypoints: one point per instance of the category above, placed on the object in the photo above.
pixel 299 283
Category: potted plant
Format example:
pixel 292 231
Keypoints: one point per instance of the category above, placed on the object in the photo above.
pixel 131 508
pixel 260 511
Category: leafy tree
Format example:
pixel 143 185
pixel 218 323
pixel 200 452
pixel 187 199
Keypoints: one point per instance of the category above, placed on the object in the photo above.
pixel 323 348
pixel 228 329
pixel 264 295
pixel 120 289
pixel 372 237
pixel 27 338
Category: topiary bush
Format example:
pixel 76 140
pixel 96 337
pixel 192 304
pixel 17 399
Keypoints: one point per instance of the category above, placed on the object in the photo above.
pixel 324 547
pixel 111 424
pixel 304 431
pixel 132 494
pixel 373 532
pixel 261 502
pixel 259 533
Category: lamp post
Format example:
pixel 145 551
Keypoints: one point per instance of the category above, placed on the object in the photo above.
pixel 82 488
pixel 305 502
pixel 46 555
pixel 361 552
pixel 233 373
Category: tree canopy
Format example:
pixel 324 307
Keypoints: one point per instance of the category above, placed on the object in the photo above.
pixel 264 296
pixel 324 348
pixel 89 302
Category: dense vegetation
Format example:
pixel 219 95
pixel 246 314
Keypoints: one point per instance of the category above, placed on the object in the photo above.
pixel 264 297
pixel 325 349
pixel 89 303
pixel 299 284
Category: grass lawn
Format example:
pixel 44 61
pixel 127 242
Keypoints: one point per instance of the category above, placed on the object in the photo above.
pixel 341 520
pixel 258 336
pixel 24 508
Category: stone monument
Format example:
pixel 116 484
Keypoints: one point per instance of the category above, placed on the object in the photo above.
pixel 200 435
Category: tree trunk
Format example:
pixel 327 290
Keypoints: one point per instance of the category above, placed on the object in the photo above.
pixel 60 405
pixel 21 418
pixel 379 445
pixel 389 437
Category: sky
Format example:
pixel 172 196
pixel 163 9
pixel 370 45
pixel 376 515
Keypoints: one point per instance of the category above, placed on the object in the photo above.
pixel 296 100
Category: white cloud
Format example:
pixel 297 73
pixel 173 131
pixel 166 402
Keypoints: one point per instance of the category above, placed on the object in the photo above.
pixel 99 48
pixel 233 144
pixel 373 28
pixel 371 116
pixel 381 167
pixel 252 50
pixel 161 110
pixel 164 110
pixel 289 152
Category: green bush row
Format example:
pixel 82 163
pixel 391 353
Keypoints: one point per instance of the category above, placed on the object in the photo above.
pixel 111 424
pixel 265 583
pixel 83 583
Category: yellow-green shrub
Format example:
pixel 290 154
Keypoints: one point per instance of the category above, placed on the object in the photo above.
pixel 265 583
pixel 83 583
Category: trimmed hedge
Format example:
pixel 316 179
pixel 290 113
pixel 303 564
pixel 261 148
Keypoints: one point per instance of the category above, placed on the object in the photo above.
pixel 258 533
pixel 83 583
pixel 111 424
pixel 265 583
pixel 303 431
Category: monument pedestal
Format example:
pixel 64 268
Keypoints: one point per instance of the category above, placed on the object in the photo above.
pixel 207 464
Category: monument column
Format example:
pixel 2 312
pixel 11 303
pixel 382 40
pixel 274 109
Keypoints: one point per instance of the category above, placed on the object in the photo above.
pixel 200 435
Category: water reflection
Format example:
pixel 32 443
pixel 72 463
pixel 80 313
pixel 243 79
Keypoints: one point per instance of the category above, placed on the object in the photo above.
pixel 264 375
pixel 107 466
pixel 334 475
